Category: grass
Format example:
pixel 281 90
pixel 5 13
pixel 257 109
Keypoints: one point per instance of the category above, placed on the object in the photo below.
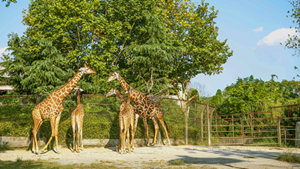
pixel 24 164
pixel 4 147
pixel 176 162
pixel 289 157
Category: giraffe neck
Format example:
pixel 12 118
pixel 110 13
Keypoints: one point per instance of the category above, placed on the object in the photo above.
pixel 67 88
pixel 132 93
pixel 121 96
pixel 124 84
pixel 78 97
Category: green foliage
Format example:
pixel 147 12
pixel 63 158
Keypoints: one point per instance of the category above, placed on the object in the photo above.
pixel 100 120
pixel 289 157
pixel 294 42
pixel 254 95
pixel 8 2
pixel 40 164
pixel 176 162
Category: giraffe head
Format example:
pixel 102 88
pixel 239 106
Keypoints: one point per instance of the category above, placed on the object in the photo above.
pixel 78 89
pixel 111 92
pixel 87 70
pixel 113 76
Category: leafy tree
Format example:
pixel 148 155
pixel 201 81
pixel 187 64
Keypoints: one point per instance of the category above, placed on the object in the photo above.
pixel 193 28
pixel 30 72
pixel 255 95
pixel 294 42
pixel 8 2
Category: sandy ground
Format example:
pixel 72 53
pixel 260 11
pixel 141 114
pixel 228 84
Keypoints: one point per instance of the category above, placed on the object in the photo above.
pixel 160 156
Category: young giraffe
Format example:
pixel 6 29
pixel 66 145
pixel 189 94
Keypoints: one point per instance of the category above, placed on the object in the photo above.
pixel 51 108
pixel 77 123
pixel 143 106
pixel 126 121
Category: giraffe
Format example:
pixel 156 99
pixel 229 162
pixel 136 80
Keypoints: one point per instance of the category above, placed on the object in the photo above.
pixel 51 108
pixel 144 107
pixel 77 123
pixel 126 121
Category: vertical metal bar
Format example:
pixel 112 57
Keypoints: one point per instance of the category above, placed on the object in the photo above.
pixel 285 136
pixel 208 125
pixel 251 125
pixel 242 131
pixel 278 131
pixel 217 126
pixel 201 124
pixel 232 125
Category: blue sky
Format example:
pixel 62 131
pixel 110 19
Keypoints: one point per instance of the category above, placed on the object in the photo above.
pixel 253 28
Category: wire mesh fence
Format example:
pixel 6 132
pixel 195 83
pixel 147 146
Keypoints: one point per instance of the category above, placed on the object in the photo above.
pixel 199 124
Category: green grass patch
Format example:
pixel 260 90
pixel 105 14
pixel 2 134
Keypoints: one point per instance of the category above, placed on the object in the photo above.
pixel 176 162
pixel 24 164
pixel 289 157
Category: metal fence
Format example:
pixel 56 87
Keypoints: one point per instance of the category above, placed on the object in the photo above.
pixel 201 124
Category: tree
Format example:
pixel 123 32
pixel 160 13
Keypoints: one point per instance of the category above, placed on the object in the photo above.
pixel 294 42
pixel 193 28
pixel 8 2
pixel 255 95
pixel 30 72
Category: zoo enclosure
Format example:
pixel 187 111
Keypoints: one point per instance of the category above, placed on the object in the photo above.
pixel 205 125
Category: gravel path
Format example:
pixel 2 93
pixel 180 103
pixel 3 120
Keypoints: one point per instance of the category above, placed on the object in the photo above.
pixel 198 156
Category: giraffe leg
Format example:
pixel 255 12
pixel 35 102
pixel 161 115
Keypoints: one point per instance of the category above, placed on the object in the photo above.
pixel 81 143
pixel 74 131
pixel 77 135
pixel 121 135
pixel 156 130
pixel 133 130
pixel 146 129
pixel 161 120
pixel 52 121
pixel 56 131
pixel 128 121
pixel 37 123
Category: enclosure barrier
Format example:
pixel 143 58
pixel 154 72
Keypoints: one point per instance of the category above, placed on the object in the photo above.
pixel 204 126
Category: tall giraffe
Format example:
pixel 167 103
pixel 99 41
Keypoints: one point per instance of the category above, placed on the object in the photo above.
pixel 126 121
pixel 77 123
pixel 51 108
pixel 145 107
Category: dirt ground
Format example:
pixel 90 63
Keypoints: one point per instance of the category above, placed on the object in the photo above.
pixel 161 156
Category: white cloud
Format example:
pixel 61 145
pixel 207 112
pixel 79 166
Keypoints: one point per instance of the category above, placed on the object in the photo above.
pixel 2 51
pixel 260 29
pixel 276 37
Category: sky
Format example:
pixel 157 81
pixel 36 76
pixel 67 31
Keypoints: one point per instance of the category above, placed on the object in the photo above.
pixel 253 29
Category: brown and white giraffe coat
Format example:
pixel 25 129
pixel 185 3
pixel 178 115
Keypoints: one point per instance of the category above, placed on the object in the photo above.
pixel 77 123
pixel 126 121
pixel 145 107
pixel 51 108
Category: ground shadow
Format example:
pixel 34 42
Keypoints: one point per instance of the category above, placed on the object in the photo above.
pixel 239 152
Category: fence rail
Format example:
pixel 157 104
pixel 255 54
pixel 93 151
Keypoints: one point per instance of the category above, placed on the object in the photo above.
pixel 215 128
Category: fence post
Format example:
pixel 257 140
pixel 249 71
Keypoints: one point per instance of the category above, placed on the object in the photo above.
pixel 297 138
pixel 242 131
pixel 232 124
pixel 217 127
pixel 208 125
pixel 278 131
pixel 201 123
pixel 251 124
